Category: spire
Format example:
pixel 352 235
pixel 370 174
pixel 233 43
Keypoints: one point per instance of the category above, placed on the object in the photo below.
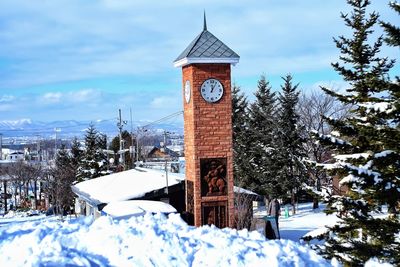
pixel 206 48
pixel 205 22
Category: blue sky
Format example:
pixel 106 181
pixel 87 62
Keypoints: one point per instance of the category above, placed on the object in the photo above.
pixel 83 60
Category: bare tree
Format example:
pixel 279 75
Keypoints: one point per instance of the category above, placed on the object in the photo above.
pixel 18 176
pixel 24 176
pixel 34 172
pixel 313 109
pixel 4 179
pixel 243 210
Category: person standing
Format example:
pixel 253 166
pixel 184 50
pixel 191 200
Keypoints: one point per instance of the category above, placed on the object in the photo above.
pixel 274 209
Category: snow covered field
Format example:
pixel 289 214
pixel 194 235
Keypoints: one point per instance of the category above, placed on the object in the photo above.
pixel 155 240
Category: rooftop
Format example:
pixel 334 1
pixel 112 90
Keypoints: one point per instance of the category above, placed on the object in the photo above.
pixel 206 48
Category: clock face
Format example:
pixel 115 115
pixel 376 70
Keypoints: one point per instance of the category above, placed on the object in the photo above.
pixel 187 91
pixel 212 90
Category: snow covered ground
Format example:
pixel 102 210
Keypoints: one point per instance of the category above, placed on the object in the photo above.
pixel 154 240
pixel 142 241
pixel 305 221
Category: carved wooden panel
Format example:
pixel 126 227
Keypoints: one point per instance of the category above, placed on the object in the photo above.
pixel 215 213
pixel 213 177
pixel 189 197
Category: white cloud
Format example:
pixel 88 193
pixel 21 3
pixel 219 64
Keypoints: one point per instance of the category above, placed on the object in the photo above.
pixel 100 38
pixel 7 107
pixel 163 101
pixel 85 95
pixel 104 39
pixel 51 98
pixel 6 98
pixel 71 98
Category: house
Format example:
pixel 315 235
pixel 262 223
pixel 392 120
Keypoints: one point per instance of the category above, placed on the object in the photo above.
pixel 15 156
pixel 162 154
pixel 337 188
pixel 135 184
pixel 146 184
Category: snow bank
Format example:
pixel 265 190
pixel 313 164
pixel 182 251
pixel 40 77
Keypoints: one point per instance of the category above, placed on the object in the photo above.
pixel 144 241
pixel 126 209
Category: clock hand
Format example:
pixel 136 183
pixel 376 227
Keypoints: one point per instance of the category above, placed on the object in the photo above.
pixel 212 88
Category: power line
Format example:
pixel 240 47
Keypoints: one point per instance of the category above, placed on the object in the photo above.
pixel 163 119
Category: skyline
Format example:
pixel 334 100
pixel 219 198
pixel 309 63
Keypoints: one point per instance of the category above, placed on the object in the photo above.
pixel 90 59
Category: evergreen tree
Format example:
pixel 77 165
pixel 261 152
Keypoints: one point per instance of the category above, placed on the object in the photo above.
pixel 101 140
pixel 93 161
pixel 262 139
pixel 60 181
pixel 367 153
pixel 393 39
pixel 392 31
pixel 290 150
pixel 76 154
pixel 241 139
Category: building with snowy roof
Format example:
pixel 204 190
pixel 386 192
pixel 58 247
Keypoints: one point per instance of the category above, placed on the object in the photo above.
pixel 15 156
pixel 136 184
pixel 139 183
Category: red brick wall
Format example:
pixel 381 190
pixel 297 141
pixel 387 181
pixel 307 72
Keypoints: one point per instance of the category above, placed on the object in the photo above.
pixel 208 131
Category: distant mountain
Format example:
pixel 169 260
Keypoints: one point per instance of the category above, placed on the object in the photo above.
pixel 30 129
pixel 17 124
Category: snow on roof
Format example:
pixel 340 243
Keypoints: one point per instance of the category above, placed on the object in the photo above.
pixel 237 189
pixel 122 209
pixel 124 185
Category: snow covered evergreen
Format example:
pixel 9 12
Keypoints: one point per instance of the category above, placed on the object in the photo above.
pixel 241 140
pixel 93 161
pixel 261 137
pixel 367 149
pixel 290 152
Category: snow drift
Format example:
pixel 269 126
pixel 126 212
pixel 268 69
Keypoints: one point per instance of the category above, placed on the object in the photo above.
pixel 144 241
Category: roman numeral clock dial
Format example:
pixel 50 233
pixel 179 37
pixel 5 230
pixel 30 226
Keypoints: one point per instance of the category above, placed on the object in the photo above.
pixel 212 90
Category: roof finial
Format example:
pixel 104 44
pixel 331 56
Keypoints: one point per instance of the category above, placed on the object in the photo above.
pixel 205 22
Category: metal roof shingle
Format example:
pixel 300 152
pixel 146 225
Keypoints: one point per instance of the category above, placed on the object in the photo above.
pixel 206 45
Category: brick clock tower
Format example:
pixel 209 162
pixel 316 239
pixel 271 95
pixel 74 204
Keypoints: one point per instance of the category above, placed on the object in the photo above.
pixel 206 69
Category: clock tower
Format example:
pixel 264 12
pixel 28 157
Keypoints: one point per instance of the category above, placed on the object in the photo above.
pixel 206 70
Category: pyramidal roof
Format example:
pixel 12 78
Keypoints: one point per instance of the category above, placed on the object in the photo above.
pixel 206 48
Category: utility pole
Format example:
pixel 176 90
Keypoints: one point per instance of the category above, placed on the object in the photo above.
pixel 137 146
pixel 1 146
pixel 120 125
pixel 39 158
pixel 131 147
pixel 164 147
pixel 55 142
pixel 4 181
